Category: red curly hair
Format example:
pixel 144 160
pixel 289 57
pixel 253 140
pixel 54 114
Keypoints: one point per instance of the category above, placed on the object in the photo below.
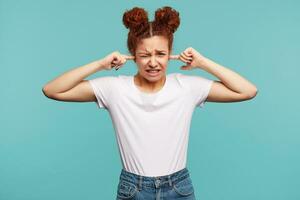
pixel 136 20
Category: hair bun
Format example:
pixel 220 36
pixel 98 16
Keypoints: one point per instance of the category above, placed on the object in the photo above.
pixel 133 18
pixel 167 16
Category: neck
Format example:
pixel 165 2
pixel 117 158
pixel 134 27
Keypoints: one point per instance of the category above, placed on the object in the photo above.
pixel 147 85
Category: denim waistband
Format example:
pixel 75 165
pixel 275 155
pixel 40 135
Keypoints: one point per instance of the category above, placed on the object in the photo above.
pixel 155 181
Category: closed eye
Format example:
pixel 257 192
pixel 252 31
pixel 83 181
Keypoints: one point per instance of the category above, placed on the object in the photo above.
pixel 160 54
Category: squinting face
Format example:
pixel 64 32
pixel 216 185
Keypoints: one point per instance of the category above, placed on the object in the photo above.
pixel 152 54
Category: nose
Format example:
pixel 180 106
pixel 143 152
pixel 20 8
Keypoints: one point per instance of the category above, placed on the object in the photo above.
pixel 153 62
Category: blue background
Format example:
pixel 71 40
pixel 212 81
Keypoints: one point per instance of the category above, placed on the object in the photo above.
pixel 66 150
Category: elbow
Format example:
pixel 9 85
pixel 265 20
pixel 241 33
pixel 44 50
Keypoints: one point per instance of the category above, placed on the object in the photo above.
pixel 46 93
pixel 252 94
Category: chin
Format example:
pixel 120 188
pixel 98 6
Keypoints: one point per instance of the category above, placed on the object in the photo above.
pixel 154 78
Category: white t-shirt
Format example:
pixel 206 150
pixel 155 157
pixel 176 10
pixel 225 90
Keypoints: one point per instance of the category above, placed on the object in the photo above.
pixel 152 129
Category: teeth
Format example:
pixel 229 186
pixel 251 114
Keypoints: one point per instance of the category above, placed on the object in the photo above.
pixel 152 70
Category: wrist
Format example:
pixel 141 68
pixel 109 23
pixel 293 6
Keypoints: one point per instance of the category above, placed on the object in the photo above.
pixel 205 63
pixel 99 64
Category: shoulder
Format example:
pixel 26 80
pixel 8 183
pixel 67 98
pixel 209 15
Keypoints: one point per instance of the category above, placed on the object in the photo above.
pixel 193 78
pixel 193 81
pixel 105 82
pixel 187 79
pixel 180 80
pixel 106 79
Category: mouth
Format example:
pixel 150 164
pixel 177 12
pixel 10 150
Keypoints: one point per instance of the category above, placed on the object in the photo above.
pixel 153 72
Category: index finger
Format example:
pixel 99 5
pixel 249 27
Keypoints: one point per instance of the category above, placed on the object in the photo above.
pixel 129 57
pixel 175 57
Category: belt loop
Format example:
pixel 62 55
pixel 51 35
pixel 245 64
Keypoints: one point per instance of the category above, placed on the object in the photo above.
pixel 140 183
pixel 170 182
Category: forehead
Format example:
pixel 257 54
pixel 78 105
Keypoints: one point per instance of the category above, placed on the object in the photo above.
pixel 155 43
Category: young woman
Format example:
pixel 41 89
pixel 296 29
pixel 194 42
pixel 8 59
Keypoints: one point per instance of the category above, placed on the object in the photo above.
pixel 151 111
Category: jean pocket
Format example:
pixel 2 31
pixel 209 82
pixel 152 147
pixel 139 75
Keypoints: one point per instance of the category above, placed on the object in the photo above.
pixel 184 187
pixel 126 190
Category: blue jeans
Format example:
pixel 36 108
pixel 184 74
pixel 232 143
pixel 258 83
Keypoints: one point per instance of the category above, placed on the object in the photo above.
pixel 177 185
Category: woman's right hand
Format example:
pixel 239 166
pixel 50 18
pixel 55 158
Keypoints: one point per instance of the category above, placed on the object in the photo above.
pixel 116 60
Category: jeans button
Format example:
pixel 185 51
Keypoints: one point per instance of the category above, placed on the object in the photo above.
pixel 157 183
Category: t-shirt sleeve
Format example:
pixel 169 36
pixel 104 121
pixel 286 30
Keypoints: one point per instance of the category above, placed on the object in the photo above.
pixel 103 88
pixel 199 87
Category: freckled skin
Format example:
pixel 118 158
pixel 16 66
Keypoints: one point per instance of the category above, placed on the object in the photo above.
pixel 150 53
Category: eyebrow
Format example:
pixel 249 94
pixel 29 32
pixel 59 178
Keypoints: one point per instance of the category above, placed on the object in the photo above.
pixel 155 50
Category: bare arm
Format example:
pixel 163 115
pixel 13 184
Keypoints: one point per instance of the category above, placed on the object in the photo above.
pixel 71 78
pixel 67 86
pixel 232 87
pixel 71 85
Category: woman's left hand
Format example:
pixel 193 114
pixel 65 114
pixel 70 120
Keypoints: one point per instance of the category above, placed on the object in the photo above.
pixel 191 57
